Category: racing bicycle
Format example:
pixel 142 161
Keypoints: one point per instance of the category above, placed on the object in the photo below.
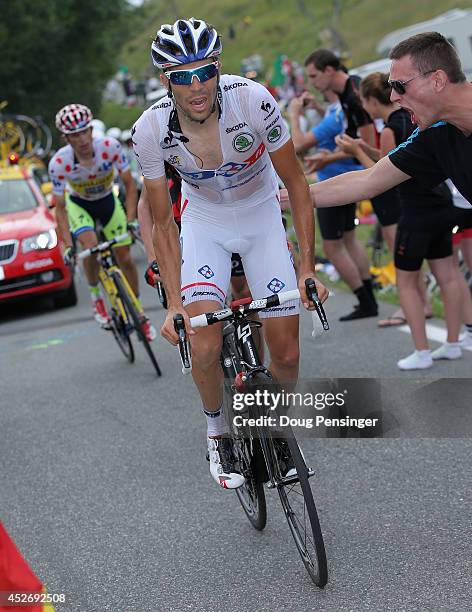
pixel 124 309
pixel 260 450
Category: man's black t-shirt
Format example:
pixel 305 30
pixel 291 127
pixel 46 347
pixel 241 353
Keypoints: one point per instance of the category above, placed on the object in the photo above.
pixel 433 155
pixel 354 112
pixel 415 197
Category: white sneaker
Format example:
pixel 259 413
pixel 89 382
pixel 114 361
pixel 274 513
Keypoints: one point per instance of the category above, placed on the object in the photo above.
pixel 419 360
pixel 222 470
pixel 447 351
pixel 466 340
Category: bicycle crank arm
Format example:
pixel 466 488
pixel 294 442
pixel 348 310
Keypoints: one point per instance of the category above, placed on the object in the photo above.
pixel 282 482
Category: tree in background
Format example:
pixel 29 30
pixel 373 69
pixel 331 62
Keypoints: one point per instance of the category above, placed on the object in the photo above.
pixel 54 52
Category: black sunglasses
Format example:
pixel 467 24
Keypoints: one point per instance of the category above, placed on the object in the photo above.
pixel 400 86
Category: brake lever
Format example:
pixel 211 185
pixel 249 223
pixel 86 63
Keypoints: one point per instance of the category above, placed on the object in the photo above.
pixel 312 294
pixel 184 346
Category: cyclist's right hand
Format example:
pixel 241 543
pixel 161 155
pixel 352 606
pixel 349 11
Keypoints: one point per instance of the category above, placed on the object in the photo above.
pixel 168 330
pixel 151 275
pixel 70 256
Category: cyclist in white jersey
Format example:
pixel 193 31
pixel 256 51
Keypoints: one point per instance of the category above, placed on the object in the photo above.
pixel 82 173
pixel 224 135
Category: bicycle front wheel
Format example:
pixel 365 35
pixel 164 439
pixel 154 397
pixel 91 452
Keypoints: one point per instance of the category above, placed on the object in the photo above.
pixel 134 316
pixel 301 514
pixel 119 327
pixel 121 335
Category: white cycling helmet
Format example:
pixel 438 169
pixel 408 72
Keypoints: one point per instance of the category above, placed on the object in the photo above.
pixel 74 118
pixel 186 41
pixel 114 132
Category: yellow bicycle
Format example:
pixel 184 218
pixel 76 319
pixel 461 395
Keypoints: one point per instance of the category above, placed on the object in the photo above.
pixel 124 308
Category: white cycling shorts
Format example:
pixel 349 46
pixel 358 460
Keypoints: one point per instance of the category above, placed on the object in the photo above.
pixel 210 235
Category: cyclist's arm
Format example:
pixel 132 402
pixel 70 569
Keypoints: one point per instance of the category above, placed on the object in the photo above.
pixel 131 198
pixel 358 185
pixel 62 221
pixel 165 238
pixel 146 223
pixel 291 173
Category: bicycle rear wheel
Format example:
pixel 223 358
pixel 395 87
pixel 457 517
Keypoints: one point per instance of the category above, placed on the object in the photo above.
pixel 251 494
pixel 123 293
pixel 249 459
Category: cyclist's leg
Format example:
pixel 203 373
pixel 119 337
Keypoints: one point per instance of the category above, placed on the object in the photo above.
pixel 82 228
pixel 269 269
pixel 205 277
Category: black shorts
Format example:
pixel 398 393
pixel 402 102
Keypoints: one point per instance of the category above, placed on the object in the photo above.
pixel 387 207
pixel 413 246
pixel 336 220
pixel 236 265
pixel 463 218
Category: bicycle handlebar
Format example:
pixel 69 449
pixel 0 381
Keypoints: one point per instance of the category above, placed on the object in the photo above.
pixel 184 347
pixel 103 246
pixel 243 307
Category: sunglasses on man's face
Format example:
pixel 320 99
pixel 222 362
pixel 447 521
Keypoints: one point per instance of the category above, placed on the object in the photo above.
pixel 400 86
pixel 185 77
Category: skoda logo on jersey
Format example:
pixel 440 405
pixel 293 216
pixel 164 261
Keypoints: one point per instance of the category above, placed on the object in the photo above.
pixel 243 142
pixel 274 134
pixel 206 271
pixel 275 285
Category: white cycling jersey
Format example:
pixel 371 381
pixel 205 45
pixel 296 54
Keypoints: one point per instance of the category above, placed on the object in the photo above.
pixel 233 208
pixel 250 126
pixel 92 183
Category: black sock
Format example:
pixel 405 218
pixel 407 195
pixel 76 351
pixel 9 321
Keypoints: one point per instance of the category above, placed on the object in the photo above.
pixel 368 286
pixel 366 301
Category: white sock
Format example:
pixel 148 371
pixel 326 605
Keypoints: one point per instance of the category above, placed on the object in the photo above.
pixel 216 422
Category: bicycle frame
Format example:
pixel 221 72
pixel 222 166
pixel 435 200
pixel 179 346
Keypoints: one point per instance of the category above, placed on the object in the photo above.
pixel 108 268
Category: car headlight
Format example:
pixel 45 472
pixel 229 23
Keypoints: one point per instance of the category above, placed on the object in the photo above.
pixel 40 242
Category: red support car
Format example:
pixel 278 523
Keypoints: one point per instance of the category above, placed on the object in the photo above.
pixel 31 253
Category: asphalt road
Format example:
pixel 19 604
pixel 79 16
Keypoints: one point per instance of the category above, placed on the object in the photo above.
pixel 105 488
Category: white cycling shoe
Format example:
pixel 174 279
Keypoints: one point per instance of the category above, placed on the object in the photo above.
pixel 222 470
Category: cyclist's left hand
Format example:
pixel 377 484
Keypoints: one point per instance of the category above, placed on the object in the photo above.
pixel 322 290
pixel 133 228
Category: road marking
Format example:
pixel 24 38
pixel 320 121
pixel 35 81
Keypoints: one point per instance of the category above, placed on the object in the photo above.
pixel 438 334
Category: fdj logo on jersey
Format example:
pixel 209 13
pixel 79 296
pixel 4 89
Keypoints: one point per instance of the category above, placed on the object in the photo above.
pixel 275 285
pixel 206 271
pixel 274 133
pixel 243 142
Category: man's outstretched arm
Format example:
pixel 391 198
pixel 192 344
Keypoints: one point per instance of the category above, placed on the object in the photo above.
pixel 358 185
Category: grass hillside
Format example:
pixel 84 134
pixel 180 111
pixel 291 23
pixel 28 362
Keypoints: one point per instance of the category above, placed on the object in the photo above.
pixel 292 27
